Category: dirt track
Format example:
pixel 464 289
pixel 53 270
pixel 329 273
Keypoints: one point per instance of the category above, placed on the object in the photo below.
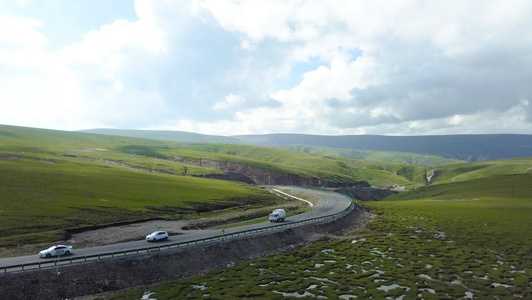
pixel 86 281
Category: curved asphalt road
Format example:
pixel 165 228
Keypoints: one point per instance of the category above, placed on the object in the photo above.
pixel 335 203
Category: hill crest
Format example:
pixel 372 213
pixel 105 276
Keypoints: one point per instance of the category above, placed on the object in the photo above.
pixel 470 147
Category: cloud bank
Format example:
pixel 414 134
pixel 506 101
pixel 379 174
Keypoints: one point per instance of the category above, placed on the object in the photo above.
pixel 251 67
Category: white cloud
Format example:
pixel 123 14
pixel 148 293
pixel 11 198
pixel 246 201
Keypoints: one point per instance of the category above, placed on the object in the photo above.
pixel 113 41
pixel 21 32
pixel 229 101
pixel 246 45
pixel 256 19
pixel 319 67
pixel 82 85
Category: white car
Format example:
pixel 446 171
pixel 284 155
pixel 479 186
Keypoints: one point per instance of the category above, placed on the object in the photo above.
pixel 57 250
pixel 157 236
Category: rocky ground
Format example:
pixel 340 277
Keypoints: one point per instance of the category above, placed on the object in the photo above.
pixel 86 281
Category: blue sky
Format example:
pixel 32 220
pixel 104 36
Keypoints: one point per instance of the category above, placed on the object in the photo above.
pixel 228 67
pixel 65 22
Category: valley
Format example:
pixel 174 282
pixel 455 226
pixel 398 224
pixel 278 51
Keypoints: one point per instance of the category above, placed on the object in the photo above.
pixel 458 230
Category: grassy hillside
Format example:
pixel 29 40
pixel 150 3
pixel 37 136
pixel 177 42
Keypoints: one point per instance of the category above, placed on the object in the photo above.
pixel 158 156
pixel 464 172
pixel 52 181
pixel 499 186
pixel 382 156
pixel 40 199
pixel 334 169
pixel 167 135
pixel 467 240
pixel 370 155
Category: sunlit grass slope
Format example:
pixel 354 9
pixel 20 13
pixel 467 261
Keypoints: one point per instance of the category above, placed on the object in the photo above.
pixel 334 169
pixel 383 156
pixel 498 209
pixel 42 199
pixel 52 181
pixel 463 172
pixel 158 156
pixel 467 240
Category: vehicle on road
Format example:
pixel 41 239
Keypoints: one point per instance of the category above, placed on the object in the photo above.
pixel 157 236
pixel 56 250
pixel 277 215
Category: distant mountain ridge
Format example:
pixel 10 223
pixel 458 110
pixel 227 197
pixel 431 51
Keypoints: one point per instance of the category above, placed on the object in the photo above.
pixel 470 147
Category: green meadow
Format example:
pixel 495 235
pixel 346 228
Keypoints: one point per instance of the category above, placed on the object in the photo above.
pixel 163 156
pixel 380 156
pixel 40 200
pixel 469 240
pixel 55 182
pixel 463 231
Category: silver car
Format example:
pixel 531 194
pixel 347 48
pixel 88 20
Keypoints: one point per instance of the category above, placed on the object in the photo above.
pixel 56 250
pixel 157 236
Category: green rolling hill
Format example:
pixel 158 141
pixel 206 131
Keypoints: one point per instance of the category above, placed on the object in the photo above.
pixel 167 135
pixel 417 150
pixel 387 156
pixel 54 181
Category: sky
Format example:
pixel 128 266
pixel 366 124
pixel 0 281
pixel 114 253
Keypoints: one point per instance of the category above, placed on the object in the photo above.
pixel 224 67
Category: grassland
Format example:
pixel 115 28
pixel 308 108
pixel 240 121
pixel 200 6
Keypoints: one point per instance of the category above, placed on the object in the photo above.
pixel 380 156
pixel 52 182
pixel 467 220
pixel 158 156
pixel 55 182
pixel 41 200
pixel 333 169
pixel 468 240
pixel 462 172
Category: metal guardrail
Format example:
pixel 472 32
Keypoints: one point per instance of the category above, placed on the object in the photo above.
pixel 68 261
